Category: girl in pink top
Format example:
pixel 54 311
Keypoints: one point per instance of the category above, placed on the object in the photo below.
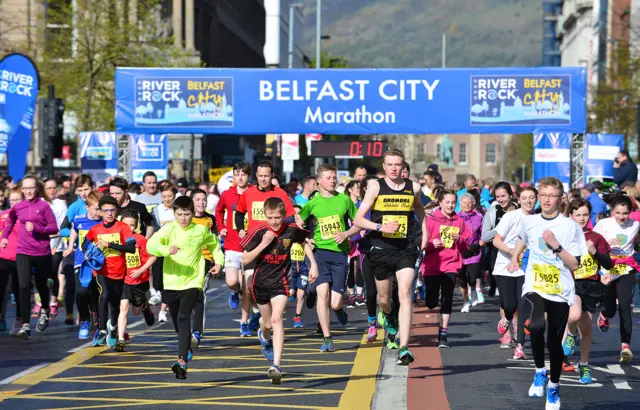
pixel 8 264
pixel 445 247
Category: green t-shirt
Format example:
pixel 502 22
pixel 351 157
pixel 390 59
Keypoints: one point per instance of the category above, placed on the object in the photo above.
pixel 331 214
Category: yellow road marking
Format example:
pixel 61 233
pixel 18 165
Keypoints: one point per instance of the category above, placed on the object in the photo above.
pixel 203 358
pixel 362 381
pixel 217 370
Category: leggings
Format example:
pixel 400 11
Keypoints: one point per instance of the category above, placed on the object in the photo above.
pixel 25 266
pixel 156 274
pixel 354 278
pixel 511 295
pixel 372 291
pixel 70 285
pixel 440 287
pixel 181 304
pixel 622 290
pixel 557 315
pixel 199 308
pixel 86 298
pixel 110 291
pixel 56 260
pixel 8 271
pixel 469 274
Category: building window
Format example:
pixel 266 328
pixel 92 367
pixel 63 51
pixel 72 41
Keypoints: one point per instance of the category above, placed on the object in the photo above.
pixel 59 31
pixel 490 154
pixel 425 148
pixel 462 156
pixel 437 150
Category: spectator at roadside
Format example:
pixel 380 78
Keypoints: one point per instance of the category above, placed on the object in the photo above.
pixel 624 169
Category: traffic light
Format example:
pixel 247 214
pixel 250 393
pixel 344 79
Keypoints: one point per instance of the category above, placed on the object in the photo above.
pixel 51 114
pixel 57 139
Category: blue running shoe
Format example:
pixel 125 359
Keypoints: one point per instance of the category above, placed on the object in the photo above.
pixel 195 339
pixel 112 335
pixel 234 300
pixel 327 345
pixel 267 347
pixel 343 318
pixel 391 326
pixel 539 381
pixel 585 374
pixel 569 345
pixel 553 398
pixel 254 321
pixel 100 338
pixel 189 355
pixel 244 330
pixel 297 322
pixel 83 333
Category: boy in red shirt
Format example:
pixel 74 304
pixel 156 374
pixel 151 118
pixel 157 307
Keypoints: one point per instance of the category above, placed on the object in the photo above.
pixel 115 239
pixel 136 281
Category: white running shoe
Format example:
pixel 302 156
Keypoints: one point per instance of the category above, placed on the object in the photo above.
pixel 156 298
pixel 162 316
pixel 465 308
pixel 474 298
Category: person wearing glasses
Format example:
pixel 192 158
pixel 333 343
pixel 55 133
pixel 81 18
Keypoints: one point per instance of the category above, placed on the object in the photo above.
pixel 35 222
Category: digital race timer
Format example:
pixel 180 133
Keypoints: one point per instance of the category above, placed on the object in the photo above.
pixel 348 149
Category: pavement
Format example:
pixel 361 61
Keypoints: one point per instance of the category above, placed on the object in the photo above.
pixel 55 370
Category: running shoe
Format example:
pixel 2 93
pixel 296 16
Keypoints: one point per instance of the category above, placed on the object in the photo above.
pixel 503 326
pixel 405 357
pixel 297 322
pixel 390 324
pixel 311 299
pixel 83 333
pixel 68 320
pixel 625 354
pixel 392 343
pixel 189 355
pixel 372 335
pixel 35 313
pixel 162 316
pixel 553 398
pixel 234 300
pixel 518 353
pixel 112 334
pixel 119 347
pixel 480 296
pixel 43 322
pixel 24 332
pixel 443 342
pixel 53 310
pixel 382 319
pixel 360 301
pixel 327 345
pixel 195 339
pixel 567 367
pixel 3 325
pixel 539 382
pixel 603 323
pixel 99 339
pixel 17 325
pixel 343 318
pixel 127 339
pixel 156 298
pixel 254 321
pixel 275 374
pixel 505 341
pixel 351 301
pixel 585 374
pixel 180 369
pixel 266 346
pixel 465 308
pixel 473 298
pixel 244 330
pixel 149 317
pixel 569 345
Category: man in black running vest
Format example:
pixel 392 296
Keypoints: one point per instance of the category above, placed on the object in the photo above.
pixel 394 203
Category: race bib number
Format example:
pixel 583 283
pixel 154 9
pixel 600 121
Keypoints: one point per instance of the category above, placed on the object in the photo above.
pixel 446 233
pixel 297 252
pixel 133 259
pixel 110 238
pixel 246 221
pixel 546 279
pixel 587 268
pixel 329 225
pixel 621 269
pixel 81 235
pixel 402 226
pixel 257 211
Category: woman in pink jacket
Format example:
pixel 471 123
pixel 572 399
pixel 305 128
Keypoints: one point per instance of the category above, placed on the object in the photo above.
pixel 35 222
pixel 445 247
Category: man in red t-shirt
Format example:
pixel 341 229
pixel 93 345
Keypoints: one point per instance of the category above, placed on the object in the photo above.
pixel 232 249
pixel 115 239
pixel 251 204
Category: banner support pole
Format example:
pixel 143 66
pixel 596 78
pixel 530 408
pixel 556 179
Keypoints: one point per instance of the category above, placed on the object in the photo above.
pixel 52 92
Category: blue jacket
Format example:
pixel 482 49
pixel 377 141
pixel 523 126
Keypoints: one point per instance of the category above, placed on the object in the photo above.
pixel 485 198
pixel 626 172
pixel 93 261
pixel 79 207
pixel 597 206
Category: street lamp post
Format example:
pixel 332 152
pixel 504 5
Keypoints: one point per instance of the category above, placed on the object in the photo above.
pixel 292 24
pixel 318 31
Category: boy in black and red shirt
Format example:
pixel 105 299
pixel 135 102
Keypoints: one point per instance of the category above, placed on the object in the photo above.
pixel 115 239
pixel 269 246
pixel 136 281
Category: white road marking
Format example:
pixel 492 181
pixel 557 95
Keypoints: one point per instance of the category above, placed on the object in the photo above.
pixel 621 384
pixel 16 376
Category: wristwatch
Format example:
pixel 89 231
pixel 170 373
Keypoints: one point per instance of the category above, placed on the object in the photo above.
pixel 378 227
pixel 558 249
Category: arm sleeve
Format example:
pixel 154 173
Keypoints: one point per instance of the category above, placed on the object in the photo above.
pixel 219 213
pixel 50 225
pixel 130 247
pixel 158 244
pixel 604 259
pixel 239 220
pixel 306 211
pixel 9 223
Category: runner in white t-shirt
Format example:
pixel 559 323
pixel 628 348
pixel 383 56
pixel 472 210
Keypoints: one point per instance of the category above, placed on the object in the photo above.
pixel 622 234
pixel 510 283
pixel 556 244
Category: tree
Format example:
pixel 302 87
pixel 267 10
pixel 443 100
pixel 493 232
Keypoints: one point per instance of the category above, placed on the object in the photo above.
pixel 517 151
pixel 327 61
pixel 92 39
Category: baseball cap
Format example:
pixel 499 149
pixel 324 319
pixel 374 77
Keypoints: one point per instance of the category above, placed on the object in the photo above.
pixel 183 183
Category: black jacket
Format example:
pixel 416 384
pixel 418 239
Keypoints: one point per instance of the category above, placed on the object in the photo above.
pixel 626 172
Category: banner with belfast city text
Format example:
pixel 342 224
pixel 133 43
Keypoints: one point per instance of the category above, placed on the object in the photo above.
pixel 350 101
pixel 552 157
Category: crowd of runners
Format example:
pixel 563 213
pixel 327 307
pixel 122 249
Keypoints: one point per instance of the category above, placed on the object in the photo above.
pixel 555 259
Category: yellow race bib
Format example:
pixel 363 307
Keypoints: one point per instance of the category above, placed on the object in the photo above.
pixel 257 211
pixel 110 238
pixel 402 225
pixel 546 279
pixel 398 203
pixel 81 235
pixel 297 252
pixel 620 269
pixel 587 268
pixel 329 225
pixel 133 260
pixel 446 233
